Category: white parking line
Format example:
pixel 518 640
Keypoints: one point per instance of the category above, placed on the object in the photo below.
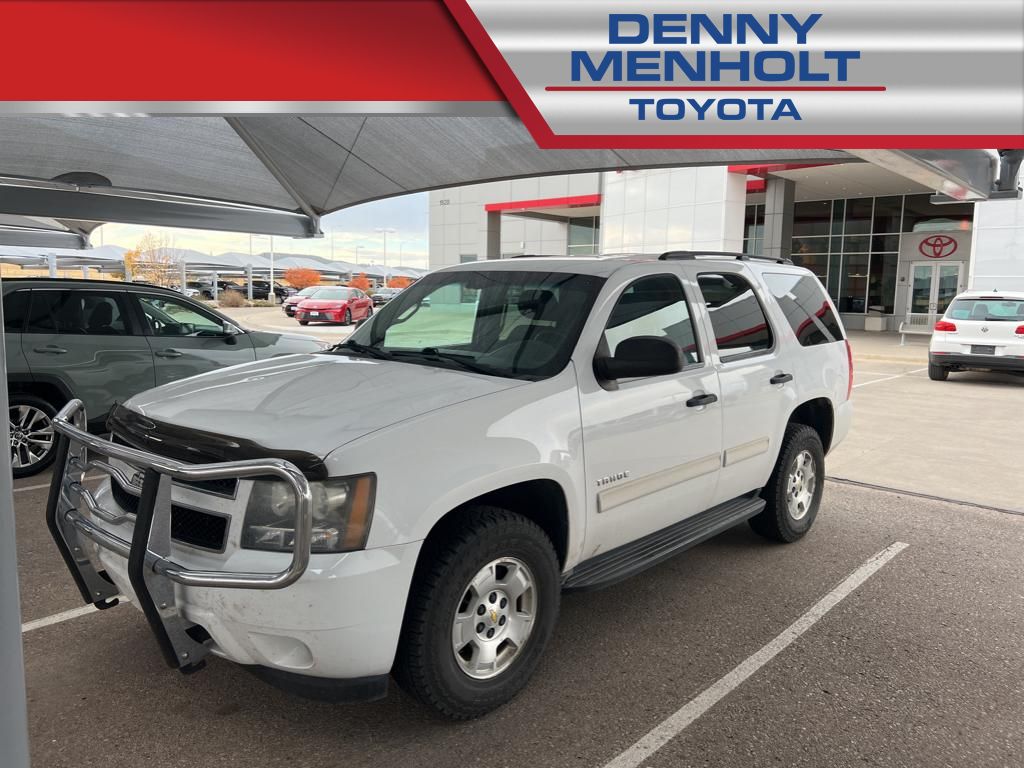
pixel 890 378
pixel 672 726
pixel 57 618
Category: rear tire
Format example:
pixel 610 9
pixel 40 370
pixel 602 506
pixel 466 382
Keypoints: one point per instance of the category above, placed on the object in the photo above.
pixel 348 317
pixel 303 322
pixel 793 493
pixel 937 372
pixel 496 572
pixel 33 441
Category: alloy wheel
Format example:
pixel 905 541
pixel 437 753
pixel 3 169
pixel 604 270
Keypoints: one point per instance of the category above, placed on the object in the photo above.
pixel 31 435
pixel 494 618
pixel 800 485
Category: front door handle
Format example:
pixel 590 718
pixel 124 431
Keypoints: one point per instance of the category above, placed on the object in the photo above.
pixel 168 353
pixel 698 400
pixel 50 349
pixel 780 378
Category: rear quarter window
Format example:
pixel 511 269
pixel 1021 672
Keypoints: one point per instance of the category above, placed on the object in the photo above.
pixel 806 307
pixel 15 310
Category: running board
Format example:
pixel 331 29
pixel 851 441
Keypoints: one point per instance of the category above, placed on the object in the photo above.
pixel 622 562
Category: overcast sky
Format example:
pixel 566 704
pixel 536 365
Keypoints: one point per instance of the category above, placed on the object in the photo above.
pixel 349 232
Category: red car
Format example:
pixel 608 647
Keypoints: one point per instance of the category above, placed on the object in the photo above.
pixel 289 304
pixel 334 305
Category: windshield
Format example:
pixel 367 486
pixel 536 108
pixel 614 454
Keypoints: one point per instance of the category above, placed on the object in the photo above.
pixel 333 294
pixel 988 309
pixel 503 323
pixel 311 291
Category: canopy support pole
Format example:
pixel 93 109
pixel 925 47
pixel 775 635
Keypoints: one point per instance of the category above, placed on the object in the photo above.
pixel 14 722
pixel 264 157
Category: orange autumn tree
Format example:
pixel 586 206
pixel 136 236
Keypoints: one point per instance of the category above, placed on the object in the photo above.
pixel 399 282
pixel 300 277
pixel 360 281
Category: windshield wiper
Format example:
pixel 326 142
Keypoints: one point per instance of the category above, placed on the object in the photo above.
pixel 363 349
pixel 433 353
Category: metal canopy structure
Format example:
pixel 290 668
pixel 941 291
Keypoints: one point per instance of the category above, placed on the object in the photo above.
pixel 278 174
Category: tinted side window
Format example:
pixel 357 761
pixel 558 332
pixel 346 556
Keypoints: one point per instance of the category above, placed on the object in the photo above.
pixel 15 309
pixel 806 307
pixel 77 312
pixel 737 318
pixel 653 306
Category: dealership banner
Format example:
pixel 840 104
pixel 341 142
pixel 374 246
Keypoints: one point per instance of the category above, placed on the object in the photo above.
pixel 670 73
pixel 579 73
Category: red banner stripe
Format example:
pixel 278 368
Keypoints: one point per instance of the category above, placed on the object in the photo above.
pixel 237 50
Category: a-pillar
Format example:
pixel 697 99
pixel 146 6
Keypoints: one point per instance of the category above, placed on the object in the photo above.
pixel 779 199
pixel 494 234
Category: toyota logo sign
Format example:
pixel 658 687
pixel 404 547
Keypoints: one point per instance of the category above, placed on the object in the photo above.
pixel 937 246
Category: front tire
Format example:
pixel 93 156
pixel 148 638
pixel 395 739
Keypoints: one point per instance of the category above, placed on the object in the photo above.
pixel 937 372
pixel 481 610
pixel 348 317
pixel 793 493
pixel 33 441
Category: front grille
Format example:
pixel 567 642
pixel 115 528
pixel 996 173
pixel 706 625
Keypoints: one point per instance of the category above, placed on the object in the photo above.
pixel 188 526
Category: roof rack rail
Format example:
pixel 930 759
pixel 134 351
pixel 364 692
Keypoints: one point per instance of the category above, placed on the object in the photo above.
pixel 693 255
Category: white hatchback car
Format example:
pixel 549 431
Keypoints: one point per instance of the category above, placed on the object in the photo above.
pixel 980 330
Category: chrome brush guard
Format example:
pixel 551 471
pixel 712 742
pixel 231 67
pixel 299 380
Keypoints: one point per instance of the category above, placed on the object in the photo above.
pixel 72 511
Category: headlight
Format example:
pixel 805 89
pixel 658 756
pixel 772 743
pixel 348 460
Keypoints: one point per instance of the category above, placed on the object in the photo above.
pixel 342 510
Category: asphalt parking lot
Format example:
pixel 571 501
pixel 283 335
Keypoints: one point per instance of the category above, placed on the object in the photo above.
pixel 725 656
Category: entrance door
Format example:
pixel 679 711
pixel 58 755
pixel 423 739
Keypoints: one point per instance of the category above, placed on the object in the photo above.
pixel 932 287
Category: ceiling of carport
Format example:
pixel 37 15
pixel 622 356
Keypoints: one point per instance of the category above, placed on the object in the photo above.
pixel 317 163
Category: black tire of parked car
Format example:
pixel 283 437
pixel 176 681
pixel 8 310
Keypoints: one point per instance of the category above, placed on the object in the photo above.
pixel 425 665
pixel 348 317
pixel 303 322
pixel 937 372
pixel 14 401
pixel 775 521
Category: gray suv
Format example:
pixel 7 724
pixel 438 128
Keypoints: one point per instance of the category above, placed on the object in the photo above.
pixel 102 342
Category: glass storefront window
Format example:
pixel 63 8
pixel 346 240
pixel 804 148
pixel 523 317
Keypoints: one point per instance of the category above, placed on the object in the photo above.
pixel 584 235
pixel 920 215
pixel 753 222
pixel 853 282
pixel 816 262
pixel 858 216
pixel 882 281
pixel 857 244
pixel 885 243
pixel 802 245
pixel 811 219
pixel 887 214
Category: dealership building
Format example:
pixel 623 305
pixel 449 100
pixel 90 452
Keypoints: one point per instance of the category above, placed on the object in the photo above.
pixel 886 253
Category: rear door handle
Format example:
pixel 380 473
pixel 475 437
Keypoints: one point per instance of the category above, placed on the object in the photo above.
pixel 780 378
pixel 50 349
pixel 699 400
pixel 168 353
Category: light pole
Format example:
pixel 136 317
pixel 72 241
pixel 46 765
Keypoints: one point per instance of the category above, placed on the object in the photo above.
pixel 272 297
pixel 386 231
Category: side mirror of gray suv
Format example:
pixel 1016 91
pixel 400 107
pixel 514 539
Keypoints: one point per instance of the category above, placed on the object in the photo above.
pixel 640 356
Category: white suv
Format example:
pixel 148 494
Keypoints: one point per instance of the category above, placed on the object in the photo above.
pixel 980 330
pixel 497 433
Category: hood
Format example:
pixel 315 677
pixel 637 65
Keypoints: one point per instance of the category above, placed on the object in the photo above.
pixel 321 303
pixel 270 343
pixel 308 403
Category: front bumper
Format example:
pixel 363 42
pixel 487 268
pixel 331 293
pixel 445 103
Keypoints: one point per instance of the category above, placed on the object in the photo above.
pixel 327 617
pixel 987 362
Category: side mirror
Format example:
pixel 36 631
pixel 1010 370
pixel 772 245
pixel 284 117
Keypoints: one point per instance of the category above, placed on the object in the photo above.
pixel 640 356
